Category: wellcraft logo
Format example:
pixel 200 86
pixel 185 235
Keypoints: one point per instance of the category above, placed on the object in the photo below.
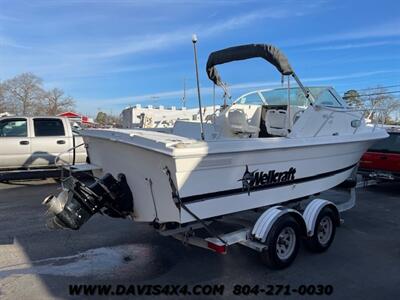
pixel 260 178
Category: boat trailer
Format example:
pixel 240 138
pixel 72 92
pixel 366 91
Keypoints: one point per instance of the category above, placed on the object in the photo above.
pixel 275 231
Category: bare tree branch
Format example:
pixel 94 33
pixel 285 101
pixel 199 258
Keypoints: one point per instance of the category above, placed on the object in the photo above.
pixel 56 102
pixel 3 106
pixel 23 93
pixel 382 99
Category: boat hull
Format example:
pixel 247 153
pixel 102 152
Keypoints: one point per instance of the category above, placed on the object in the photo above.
pixel 271 195
pixel 217 184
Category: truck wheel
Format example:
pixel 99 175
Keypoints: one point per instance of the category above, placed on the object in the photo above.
pixel 324 231
pixel 282 243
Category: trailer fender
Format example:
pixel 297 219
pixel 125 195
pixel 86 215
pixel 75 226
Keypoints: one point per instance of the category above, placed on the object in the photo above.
pixel 265 222
pixel 312 211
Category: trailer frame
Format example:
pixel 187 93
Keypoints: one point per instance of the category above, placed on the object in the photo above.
pixel 253 235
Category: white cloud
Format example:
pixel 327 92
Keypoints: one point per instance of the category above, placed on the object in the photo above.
pixel 386 29
pixel 382 30
pixel 167 39
pixel 208 91
pixel 355 45
pixel 92 57
pixel 8 18
pixel 351 75
pixel 96 59
pixel 9 43
pixel 142 2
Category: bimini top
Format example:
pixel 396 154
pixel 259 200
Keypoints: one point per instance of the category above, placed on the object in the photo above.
pixel 270 53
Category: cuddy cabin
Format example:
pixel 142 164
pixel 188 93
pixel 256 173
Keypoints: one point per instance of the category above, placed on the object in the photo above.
pixel 282 112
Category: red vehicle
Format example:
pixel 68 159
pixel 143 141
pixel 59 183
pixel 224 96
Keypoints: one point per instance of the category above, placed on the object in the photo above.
pixel 382 160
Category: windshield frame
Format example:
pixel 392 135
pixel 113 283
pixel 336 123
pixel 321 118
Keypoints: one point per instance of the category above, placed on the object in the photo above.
pixel 340 103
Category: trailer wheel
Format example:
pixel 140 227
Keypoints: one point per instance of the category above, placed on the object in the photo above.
pixel 282 243
pixel 324 231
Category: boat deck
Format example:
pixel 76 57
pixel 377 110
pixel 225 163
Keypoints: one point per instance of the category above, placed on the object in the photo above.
pixel 176 145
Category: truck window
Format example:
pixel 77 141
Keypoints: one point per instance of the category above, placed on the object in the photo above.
pixel 389 145
pixel 48 127
pixel 13 128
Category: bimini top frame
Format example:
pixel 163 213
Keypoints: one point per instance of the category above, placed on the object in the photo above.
pixel 268 52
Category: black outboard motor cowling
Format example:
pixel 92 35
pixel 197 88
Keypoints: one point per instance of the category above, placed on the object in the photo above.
pixel 77 203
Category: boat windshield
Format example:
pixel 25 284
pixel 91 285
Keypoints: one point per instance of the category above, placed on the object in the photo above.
pixel 323 96
pixel 250 98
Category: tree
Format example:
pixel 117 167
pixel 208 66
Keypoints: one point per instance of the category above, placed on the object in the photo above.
pixel 101 118
pixel 115 121
pixel 23 93
pixel 55 102
pixel 352 97
pixel 3 106
pixel 381 99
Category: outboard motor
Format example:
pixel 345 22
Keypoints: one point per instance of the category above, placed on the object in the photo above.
pixel 78 202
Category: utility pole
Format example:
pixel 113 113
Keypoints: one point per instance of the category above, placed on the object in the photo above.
pixel 184 93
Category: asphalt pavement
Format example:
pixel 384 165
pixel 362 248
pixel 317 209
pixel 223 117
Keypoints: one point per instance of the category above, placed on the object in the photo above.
pixel 37 263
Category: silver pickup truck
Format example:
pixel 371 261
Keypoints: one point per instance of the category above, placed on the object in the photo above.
pixel 32 143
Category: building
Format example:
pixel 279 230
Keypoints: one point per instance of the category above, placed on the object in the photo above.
pixel 159 117
pixel 5 114
pixel 78 118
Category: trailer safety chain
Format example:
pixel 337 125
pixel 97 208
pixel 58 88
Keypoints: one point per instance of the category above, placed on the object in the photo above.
pixel 209 229
pixel 175 194
pixel 177 200
pixel 186 236
pixel 152 196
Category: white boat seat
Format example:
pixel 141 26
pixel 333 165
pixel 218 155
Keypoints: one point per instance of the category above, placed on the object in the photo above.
pixel 275 122
pixel 238 123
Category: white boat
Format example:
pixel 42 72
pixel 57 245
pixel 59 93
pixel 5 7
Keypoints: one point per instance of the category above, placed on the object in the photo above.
pixel 268 148
pixel 268 151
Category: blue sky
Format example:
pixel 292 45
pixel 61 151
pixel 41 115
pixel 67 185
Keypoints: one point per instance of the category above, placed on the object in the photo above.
pixel 109 54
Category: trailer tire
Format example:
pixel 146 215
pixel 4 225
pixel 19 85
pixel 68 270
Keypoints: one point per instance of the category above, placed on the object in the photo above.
pixel 324 231
pixel 282 242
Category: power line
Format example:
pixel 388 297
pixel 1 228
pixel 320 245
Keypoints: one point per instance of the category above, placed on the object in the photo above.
pixel 373 94
pixel 380 87
pixel 382 93
pixel 376 88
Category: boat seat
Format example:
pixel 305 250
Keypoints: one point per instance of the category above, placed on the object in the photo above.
pixel 275 122
pixel 239 125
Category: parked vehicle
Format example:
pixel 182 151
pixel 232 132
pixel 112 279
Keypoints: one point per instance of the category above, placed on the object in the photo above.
pixel 382 160
pixel 31 146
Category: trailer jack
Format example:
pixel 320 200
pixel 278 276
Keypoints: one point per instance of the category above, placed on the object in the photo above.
pixel 78 202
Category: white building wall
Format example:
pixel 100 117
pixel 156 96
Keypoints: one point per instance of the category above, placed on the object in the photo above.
pixel 160 116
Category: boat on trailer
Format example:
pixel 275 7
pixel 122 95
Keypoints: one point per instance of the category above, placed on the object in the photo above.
pixel 254 156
